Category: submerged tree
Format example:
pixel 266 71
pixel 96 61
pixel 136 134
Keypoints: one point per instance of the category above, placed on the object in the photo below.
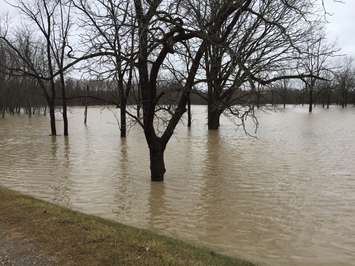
pixel 316 62
pixel 30 60
pixel 160 28
pixel 42 56
pixel 261 45
pixel 110 28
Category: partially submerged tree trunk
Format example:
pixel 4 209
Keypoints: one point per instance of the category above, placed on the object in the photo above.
pixel 310 109
pixel 213 118
pixel 344 100
pixel 64 105
pixel 86 106
pixel 123 117
pixel 189 118
pixel 157 164
pixel 52 119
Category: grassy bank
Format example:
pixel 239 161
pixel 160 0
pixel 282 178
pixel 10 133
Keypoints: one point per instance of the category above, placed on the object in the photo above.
pixel 78 239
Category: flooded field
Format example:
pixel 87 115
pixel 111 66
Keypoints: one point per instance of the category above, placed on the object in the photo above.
pixel 286 197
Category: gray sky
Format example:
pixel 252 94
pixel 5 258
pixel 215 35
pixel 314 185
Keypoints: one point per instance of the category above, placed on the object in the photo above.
pixel 341 27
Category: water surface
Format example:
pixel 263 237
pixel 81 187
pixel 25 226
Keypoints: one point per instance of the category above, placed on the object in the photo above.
pixel 284 198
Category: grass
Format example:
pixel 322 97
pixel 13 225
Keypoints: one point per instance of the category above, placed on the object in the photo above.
pixel 78 239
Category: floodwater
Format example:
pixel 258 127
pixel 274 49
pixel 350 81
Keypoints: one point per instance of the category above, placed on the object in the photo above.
pixel 286 197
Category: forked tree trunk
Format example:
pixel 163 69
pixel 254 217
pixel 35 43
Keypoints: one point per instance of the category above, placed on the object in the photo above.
pixel 157 164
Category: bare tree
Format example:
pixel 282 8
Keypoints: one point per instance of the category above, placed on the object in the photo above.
pixel 59 47
pixel 51 19
pixel 262 45
pixel 110 28
pixel 30 61
pixel 316 62
pixel 161 28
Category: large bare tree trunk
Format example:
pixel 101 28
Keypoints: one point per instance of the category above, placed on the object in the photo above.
pixel 213 118
pixel 213 112
pixel 157 164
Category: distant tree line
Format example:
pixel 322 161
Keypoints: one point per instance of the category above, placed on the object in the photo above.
pixel 21 95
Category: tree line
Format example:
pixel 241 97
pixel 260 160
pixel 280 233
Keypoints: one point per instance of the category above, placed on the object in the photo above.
pixel 21 95
pixel 160 56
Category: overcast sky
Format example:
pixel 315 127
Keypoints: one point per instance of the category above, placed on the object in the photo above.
pixel 341 26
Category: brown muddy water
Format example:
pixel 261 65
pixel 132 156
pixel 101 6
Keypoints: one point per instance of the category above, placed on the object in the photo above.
pixel 284 198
